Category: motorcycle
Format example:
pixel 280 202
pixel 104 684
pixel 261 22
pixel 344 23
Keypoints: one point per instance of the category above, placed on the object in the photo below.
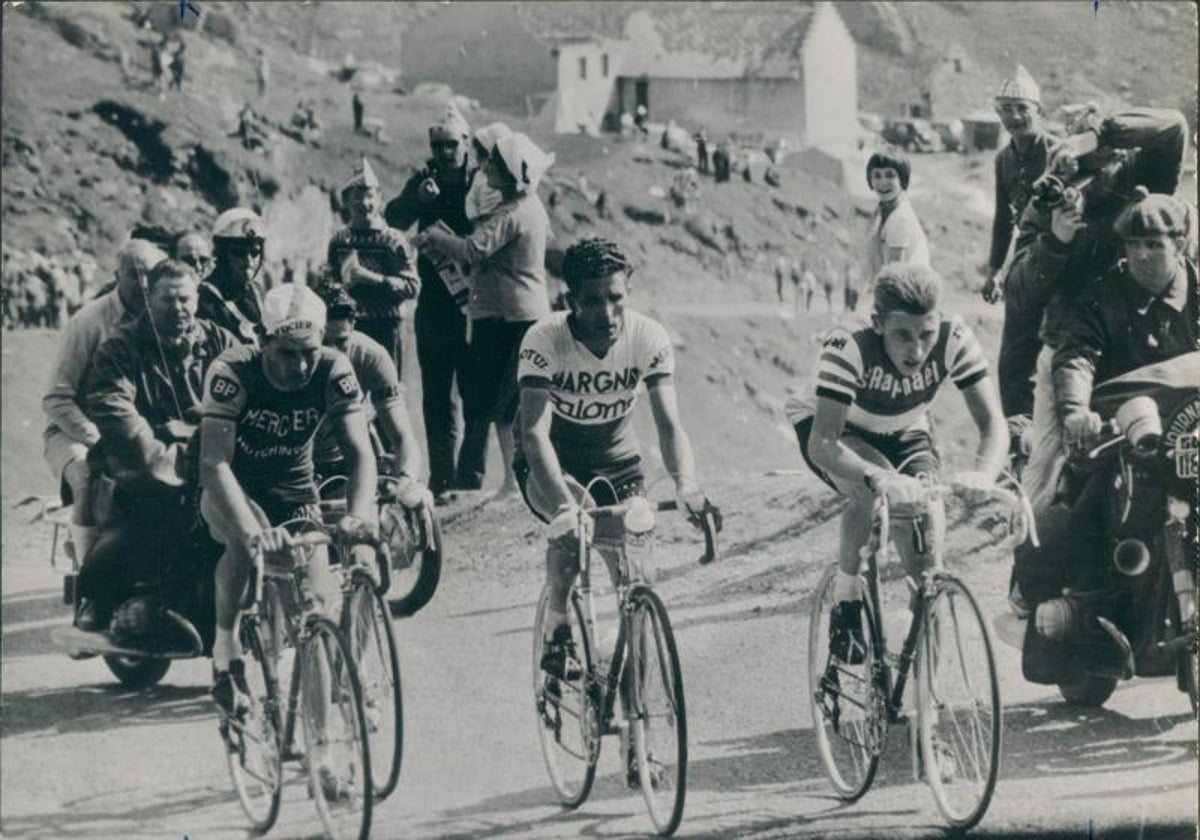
pixel 1113 589
pixel 159 581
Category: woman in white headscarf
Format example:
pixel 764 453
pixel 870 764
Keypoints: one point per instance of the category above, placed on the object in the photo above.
pixel 508 290
pixel 482 199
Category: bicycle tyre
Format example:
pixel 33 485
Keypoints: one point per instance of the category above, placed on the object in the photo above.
pixel 344 812
pixel 367 624
pixel 570 763
pixel 850 760
pixel 954 603
pixel 648 617
pixel 262 810
pixel 416 578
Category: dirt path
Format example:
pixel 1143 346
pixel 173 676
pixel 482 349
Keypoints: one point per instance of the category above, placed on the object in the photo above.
pixel 83 759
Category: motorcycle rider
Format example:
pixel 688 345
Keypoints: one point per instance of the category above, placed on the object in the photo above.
pixel 69 433
pixel 230 296
pixel 143 394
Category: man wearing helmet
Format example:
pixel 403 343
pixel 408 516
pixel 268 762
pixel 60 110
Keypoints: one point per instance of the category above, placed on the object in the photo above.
pixel 230 296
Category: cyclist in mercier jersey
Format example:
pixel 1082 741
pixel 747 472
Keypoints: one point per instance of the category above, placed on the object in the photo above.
pixel 578 373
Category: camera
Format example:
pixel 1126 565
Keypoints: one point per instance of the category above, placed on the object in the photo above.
pixel 429 189
pixel 1051 191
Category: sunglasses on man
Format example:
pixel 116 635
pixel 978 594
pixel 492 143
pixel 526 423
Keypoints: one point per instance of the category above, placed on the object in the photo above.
pixel 250 250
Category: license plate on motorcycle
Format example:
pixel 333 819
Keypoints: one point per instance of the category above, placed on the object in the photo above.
pixel 1187 457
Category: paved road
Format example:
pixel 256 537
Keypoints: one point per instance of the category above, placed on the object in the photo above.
pixel 82 758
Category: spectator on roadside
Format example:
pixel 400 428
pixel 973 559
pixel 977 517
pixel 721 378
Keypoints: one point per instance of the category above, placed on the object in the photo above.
pixel 193 249
pixel 640 116
pixel 509 288
pixel 850 291
pixel 262 73
pixel 1017 166
pixel 374 262
pixel 781 267
pixel 69 433
pixel 356 107
pixel 702 159
pixel 177 67
pixel 894 234
pixel 809 282
pixel 442 193
pixel 721 162
pixel 796 269
pixel 158 67
pixel 827 285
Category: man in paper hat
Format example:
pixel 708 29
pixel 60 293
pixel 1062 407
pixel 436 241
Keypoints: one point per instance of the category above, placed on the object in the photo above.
pixel 374 262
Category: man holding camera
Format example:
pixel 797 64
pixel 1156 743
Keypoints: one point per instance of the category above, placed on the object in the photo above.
pixel 1065 240
pixel 437 195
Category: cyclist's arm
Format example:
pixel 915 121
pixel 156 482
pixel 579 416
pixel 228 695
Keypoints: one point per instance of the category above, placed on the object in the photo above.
pixel 830 453
pixel 218 442
pixel 397 426
pixel 672 439
pixel 984 404
pixel 350 429
pixel 544 469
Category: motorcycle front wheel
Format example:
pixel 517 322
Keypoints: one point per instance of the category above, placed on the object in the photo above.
pixel 136 672
pixel 1091 692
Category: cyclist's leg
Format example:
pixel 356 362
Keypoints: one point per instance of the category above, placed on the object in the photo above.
pixel 232 574
pixel 914 454
pixel 855 530
pixel 624 481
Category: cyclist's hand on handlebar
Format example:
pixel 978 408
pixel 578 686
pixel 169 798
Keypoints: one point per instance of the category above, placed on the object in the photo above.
pixel 354 531
pixel 695 504
pixel 900 489
pixel 1081 428
pixel 975 485
pixel 566 523
pixel 273 540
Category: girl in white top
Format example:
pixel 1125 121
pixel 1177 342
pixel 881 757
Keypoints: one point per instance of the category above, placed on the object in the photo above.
pixel 482 200
pixel 895 234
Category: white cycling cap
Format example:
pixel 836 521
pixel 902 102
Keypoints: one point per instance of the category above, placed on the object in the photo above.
pixel 291 309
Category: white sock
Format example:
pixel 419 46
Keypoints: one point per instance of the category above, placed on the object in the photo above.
pixel 554 620
pixel 845 587
pixel 225 649
pixel 82 537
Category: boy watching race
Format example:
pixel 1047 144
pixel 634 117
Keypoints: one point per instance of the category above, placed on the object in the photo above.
pixel 865 431
pixel 261 409
pixel 578 374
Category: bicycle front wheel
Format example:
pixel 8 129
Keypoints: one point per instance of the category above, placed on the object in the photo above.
pixel 567 715
pixel 847 704
pixel 659 716
pixel 337 754
pixel 368 627
pixel 252 742
pixel 958 704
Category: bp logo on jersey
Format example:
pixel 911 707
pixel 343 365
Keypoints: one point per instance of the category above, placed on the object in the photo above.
pixel 223 389
pixel 346 385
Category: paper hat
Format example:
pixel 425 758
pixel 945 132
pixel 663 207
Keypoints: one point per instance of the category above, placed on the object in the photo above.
pixel 362 176
pixel 491 134
pixel 452 125
pixel 1020 86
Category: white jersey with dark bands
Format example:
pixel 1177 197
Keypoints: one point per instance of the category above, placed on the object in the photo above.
pixel 854 369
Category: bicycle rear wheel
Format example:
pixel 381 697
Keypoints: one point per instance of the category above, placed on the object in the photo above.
pixel 848 707
pixel 567 714
pixel 368 627
pixel 659 715
pixel 252 743
pixel 337 754
pixel 958 704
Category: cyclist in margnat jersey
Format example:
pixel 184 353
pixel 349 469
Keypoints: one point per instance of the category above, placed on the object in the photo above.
pixel 262 407
pixel 579 373
pixel 864 429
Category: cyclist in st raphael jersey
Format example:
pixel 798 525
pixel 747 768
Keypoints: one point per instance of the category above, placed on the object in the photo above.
pixel 261 410
pixel 578 373
pixel 382 396
pixel 864 428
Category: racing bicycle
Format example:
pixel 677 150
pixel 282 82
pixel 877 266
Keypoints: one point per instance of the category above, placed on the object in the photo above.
pixel 282 631
pixel 948 652
pixel 637 694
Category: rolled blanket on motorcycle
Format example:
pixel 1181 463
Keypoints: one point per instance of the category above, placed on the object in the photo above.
pixel 152 569
pixel 1101 585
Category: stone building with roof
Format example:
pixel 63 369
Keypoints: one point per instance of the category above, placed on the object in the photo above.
pixel 787 70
